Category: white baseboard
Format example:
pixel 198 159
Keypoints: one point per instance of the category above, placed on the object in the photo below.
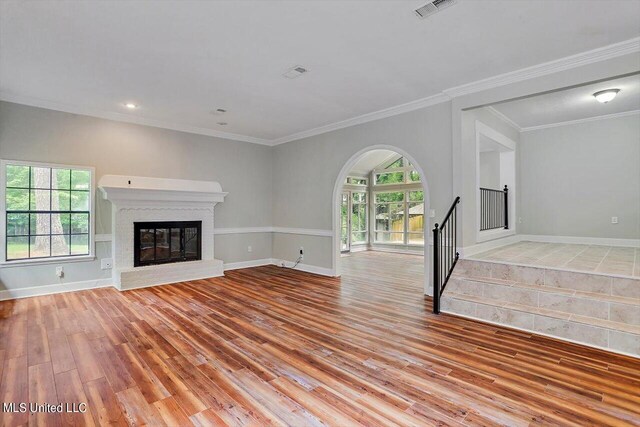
pixel 248 264
pixel 488 235
pixel 308 268
pixel 491 244
pixel 56 288
pixel 322 271
pixel 604 241
pixel 402 250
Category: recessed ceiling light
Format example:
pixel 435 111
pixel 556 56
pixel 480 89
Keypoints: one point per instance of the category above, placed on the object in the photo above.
pixel 131 105
pixel 222 123
pixel 605 96
pixel 221 110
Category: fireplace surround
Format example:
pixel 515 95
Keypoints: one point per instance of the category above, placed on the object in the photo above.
pixel 160 201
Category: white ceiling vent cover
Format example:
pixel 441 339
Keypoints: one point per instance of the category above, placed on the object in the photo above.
pixel 294 72
pixel 433 7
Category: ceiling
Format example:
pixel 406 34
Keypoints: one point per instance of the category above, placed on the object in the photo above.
pixel 572 104
pixel 179 60
pixel 370 160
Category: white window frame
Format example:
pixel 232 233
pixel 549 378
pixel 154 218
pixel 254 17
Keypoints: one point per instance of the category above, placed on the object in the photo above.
pixel 349 178
pixel 406 203
pixel 3 214
pixel 375 231
pixel 366 219
pixel 406 170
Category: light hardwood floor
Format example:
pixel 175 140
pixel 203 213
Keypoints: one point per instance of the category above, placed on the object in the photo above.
pixel 268 346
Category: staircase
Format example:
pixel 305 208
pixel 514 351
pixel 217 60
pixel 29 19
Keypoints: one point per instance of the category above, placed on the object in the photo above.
pixel 593 309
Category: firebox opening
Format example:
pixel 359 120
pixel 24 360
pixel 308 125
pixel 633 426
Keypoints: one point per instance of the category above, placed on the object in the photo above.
pixel 167 242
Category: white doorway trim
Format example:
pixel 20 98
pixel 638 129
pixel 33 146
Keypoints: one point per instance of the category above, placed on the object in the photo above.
pixel 511 147
pixel 337 197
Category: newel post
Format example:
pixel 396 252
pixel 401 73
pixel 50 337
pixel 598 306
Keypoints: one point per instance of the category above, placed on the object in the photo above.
pixel 506 208
pixel 436 270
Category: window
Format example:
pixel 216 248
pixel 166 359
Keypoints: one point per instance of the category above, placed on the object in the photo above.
pixel 389 178
pixel 353 180
pixel 400 171
pixel 389 225
pixel 399 217
pixel 47 211
pixel 358 218
pixel 396 164
pixel 415 207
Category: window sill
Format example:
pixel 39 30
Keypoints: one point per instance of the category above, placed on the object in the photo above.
pixel 56 260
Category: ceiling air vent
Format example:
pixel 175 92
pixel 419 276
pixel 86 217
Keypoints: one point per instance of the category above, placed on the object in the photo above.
pixel 433 7
pixel 294 72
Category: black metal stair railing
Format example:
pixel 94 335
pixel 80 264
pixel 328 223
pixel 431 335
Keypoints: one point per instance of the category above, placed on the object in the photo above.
pixel 445 255
pixel 494 208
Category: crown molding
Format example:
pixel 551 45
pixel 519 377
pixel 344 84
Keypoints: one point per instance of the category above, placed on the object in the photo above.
pixel 589 57
pixel 596 55
pixel 119 117
pixel 578 121
pixel 369 117
pixel 504 118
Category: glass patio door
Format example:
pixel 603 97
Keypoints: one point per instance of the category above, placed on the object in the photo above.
pixel 345 222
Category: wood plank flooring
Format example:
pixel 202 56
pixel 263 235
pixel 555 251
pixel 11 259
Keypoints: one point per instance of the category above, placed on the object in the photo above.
pixel 270 346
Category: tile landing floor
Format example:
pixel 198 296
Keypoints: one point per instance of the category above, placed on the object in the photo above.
pixel 588 258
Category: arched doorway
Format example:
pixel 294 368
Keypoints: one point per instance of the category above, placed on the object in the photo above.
pixel 336 212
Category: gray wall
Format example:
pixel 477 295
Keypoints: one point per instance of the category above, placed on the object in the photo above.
pixel 490 169
pixel 573 179
pixel 243 169
pixel 305 173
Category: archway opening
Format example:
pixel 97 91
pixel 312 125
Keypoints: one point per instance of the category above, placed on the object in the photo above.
pixel 381 218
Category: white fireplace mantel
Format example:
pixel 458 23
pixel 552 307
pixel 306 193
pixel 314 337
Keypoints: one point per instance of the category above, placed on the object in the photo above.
pixel 122 189
pixel 143 199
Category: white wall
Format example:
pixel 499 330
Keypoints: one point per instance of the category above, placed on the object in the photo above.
pixel 243 169
pixel 574 178
pixel 490 170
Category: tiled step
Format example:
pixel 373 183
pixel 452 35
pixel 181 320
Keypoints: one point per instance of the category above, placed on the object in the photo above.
pixel 605 307
pixel 592 309
pixel 614 336
pixel 592 283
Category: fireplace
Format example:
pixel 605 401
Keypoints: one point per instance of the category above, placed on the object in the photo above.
pixel 166 242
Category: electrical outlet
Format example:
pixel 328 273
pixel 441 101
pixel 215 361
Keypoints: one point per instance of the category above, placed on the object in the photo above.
pixel 432 213
pixel 249 249
pixel 106 263
pixel 60 272
pixel 614 220
pixel 301 253
pixel 519 220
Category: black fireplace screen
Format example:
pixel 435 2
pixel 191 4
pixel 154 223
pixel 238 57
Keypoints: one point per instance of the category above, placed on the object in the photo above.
pixel 165 242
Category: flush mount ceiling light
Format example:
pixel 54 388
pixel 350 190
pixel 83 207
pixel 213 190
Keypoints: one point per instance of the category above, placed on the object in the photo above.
pixel 131 105
pixel 605 96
